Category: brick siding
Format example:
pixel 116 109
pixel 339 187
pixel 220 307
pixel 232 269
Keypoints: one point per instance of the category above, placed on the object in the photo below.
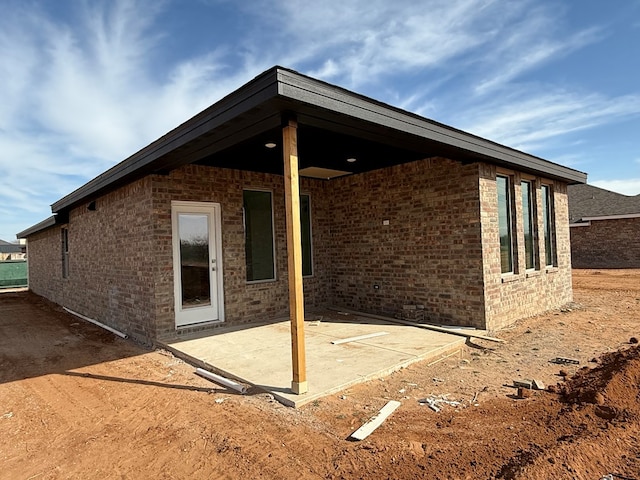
pixel 606 244
pixel 509 297
pixel 45 265
pixel 244 302
pixel 434 251
pixel 111 277
pixel 429 253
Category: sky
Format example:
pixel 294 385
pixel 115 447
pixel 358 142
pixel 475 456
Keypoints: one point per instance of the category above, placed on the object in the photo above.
pixel 85 84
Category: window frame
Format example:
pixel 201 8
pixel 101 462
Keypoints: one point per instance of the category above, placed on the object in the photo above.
pixel 64 250
pixel 511 225
pixel 549 227
pixel 310 235
pixel 273 236
pixel 533 254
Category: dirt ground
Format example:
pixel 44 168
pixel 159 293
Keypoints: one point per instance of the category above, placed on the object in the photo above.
pixel 78 402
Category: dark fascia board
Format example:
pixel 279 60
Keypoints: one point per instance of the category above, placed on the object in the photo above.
pixel 323 95
pixel 297 89
pixel 252 94
pixel 38 227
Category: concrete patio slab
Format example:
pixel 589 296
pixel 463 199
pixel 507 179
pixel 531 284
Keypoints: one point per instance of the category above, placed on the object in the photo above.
pixel 260 355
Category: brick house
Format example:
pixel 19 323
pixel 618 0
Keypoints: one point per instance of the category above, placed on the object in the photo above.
pixel 605 228
pixel 393 209
pixel 12 251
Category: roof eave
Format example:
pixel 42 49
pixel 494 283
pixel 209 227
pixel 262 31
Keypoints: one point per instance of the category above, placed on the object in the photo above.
pixel 325 96
pixel 38 227
pixel 245 98
pixel 320 99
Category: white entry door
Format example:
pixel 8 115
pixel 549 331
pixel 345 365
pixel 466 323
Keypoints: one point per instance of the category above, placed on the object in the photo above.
pixel 197 262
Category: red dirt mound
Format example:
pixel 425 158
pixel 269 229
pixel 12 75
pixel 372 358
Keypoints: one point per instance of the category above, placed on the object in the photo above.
pixel 597 425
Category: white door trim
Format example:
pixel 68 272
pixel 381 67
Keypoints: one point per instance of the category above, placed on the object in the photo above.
pixel 198 315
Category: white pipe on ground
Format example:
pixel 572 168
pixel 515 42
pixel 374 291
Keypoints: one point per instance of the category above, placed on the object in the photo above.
pixel 221 380
pixel 95 322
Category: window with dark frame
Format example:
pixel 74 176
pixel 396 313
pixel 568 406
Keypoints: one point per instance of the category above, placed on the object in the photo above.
pixel 528 224
pixel 305 227
pixel 259 237
pixel 64 234
pixel 549 227
pixel 505 223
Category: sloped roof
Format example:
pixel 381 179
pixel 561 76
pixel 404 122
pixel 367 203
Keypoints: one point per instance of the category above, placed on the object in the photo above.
pixel 6 247
pixel 334 124
pixel 587 201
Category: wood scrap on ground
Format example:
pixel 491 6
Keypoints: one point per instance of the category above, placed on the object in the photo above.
pixel 369 427
pixel 419 325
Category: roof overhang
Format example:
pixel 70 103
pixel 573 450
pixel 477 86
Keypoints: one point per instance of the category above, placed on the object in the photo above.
pixel 334 124
pixel 38 227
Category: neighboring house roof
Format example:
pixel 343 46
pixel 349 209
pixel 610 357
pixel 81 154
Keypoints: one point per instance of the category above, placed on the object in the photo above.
pixel 333 124
pixel 587 202
pixel 6 247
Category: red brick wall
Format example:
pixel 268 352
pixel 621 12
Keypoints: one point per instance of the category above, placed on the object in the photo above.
pixel 44 255
pixel 429 254
pixel 510 297
pixel 121 267
pixel 111 277
pixel 606 244
pixel 244 302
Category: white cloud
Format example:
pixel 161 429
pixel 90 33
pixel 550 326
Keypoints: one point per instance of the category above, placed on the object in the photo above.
pixel 76 99
pixel 79 96
pixel 628 186
pixel 525 121
pixel 363 41
pixel 527 48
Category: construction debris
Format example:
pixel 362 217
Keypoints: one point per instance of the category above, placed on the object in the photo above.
pixel 537 384
pixel 419 325
pixel 523 383
pixel 368 428
pixel 221 380
pixel 315 321
pixel 435 402
pixel 565 361
pixel 414 313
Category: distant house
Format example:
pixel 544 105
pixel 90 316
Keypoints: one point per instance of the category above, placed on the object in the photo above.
pixel 605 228
pixel 290 193
pixel 12 251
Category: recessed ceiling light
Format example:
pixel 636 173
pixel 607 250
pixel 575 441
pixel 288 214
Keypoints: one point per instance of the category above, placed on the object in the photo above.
pixel 351 160
pixel 270 145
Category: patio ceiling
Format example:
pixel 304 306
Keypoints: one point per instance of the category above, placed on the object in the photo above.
pixel 316 148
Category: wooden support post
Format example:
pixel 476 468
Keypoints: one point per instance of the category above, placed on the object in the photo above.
pixel 294 254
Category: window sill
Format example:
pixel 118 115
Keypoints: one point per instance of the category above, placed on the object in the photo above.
pixel 534 273
pixel 509 277
pixel 259 282
pixel 551 269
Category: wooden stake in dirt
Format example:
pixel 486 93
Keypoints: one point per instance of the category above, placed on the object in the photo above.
pixel 367 429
